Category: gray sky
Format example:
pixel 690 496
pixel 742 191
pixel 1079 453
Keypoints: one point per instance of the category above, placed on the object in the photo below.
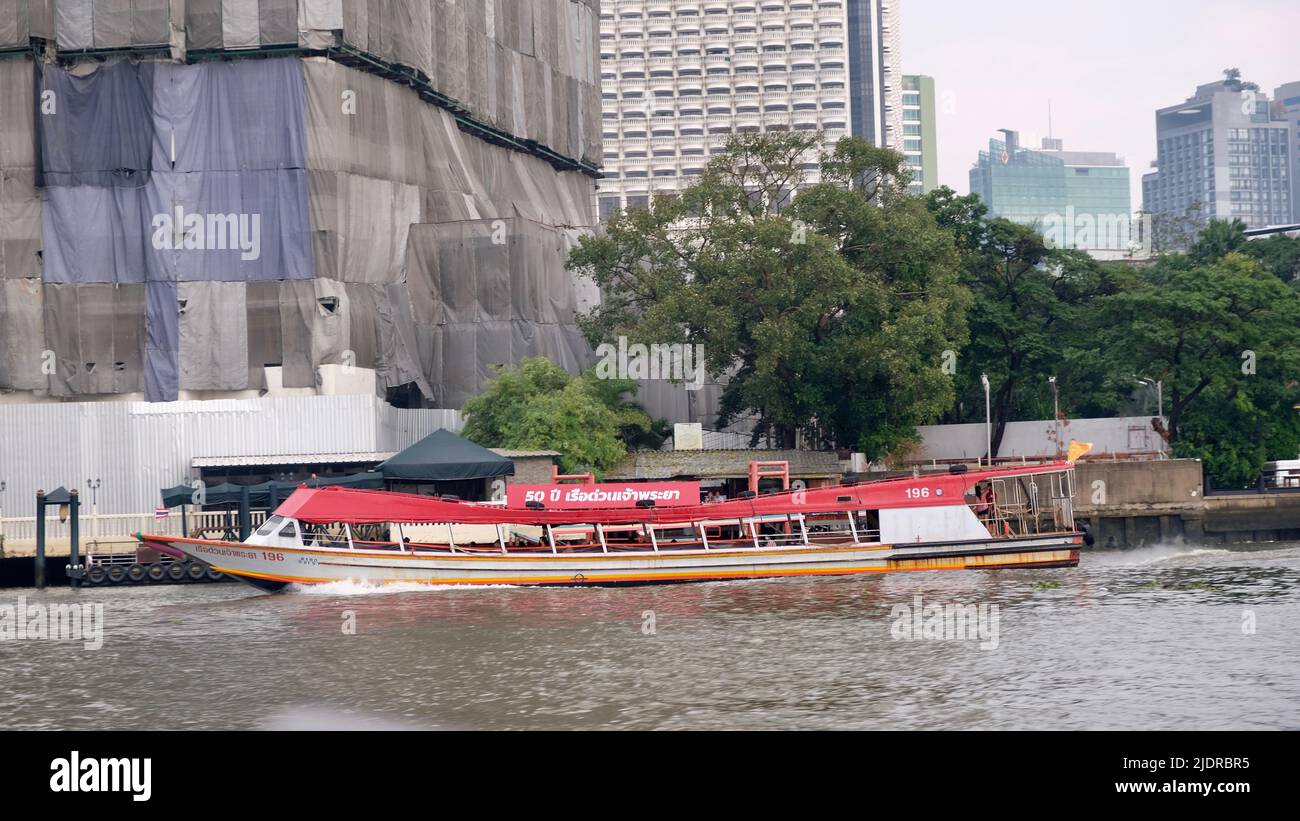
pixel 1106 65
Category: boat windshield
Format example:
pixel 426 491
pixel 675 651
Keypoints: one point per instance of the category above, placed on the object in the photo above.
pixel 268 527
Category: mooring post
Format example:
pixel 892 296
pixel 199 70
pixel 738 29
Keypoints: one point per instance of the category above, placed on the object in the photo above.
pixel 74 536
pixel 39 570
pixel 245 514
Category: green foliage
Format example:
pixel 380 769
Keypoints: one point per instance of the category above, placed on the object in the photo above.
pixel 1217 240
pixel 826 312
pixel 1224 337
pixel 834 311
pixel 539 406
pixel 1280 255
pixel 1031 303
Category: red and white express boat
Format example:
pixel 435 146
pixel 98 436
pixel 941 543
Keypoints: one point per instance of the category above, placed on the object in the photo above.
pixel 1000 518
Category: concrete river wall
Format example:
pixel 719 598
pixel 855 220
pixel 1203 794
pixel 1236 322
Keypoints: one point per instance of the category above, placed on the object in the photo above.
pixel 1130 504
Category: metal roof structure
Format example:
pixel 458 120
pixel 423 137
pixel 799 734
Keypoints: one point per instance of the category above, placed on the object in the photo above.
pixel 721 464
pixel 277 459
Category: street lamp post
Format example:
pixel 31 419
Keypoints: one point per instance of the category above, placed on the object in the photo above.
pixel 94 484
pixel 988 419
pixel 1056 411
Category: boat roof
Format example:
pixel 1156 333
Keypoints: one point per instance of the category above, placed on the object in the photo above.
pixel 337 504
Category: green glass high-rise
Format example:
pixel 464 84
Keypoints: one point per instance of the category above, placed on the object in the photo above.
pixel 1078 199
pixel 920 143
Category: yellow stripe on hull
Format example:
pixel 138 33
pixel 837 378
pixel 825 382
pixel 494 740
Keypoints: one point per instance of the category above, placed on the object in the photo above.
pixel 1064 557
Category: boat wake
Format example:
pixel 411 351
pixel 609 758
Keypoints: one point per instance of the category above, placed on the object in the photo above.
pixel 357 587
pixel 1154 554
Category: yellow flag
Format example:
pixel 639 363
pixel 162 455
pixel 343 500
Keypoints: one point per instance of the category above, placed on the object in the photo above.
pixel 1077 449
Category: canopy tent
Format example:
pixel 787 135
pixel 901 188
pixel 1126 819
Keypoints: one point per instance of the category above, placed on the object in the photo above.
pixel 260 495
pixel 177 496
pixel 442 456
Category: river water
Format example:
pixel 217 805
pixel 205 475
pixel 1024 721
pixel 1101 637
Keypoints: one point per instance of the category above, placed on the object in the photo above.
pixel 1164 637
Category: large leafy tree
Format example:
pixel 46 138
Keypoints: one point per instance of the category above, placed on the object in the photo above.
pixel 540 406
pixel 1031 306
pixel 1224 337
pixel 827 311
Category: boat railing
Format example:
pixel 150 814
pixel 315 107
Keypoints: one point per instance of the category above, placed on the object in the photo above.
pixel 765 531
pixel 1032 504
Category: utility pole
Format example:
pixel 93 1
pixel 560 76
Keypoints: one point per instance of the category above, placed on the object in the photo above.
pixel 988 418
pixel 1056 411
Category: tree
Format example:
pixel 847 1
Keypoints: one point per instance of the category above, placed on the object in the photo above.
pixel 1224 337
pixel 1030 301
pixel 1218 239
pixel 825 312
pixel 540 406
pixel 1174 233
pixel 1279 254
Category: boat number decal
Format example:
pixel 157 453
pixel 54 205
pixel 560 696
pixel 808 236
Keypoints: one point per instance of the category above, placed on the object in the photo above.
pixel 272 557
pixel 918 493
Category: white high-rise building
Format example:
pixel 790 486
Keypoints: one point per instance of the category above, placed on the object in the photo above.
pixel 680 76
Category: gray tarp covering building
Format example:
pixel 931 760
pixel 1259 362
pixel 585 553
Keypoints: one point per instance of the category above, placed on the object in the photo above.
pixel 174 227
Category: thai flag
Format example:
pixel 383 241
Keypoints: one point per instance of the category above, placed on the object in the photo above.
pixel 161 513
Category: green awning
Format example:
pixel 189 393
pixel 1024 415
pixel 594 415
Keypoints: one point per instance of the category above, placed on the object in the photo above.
pixel 442 456
pixel 260 495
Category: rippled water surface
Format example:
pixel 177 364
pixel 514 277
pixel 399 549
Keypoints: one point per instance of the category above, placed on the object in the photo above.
pixel 1160 638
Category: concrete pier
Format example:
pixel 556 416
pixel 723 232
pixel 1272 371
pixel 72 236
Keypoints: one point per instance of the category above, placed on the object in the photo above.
pixel 1130 504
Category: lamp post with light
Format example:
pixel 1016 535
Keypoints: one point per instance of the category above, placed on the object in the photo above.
pixel 988 418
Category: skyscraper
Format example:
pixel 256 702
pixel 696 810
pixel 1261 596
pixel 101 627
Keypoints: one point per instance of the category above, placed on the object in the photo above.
pixel 1223 153
pixel 1287 101
pixel 680 76
pixel 1078 199
pixel 875 75
pixel 919 141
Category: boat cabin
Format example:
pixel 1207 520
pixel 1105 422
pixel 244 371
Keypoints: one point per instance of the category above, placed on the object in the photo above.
pixel 990 505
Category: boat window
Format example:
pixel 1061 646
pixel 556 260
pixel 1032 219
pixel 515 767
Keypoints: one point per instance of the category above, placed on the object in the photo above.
pixel 269 525
pixel 289 531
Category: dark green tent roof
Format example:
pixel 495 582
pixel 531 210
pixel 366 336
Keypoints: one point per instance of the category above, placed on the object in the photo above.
pixel 177 496
pixel 58 496
pixel 442 456
pixel 260 495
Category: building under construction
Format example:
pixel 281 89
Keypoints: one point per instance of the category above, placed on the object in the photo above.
pixel 223 198
pixel 262 200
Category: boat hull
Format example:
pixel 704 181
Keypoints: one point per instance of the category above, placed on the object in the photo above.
pixel 273 568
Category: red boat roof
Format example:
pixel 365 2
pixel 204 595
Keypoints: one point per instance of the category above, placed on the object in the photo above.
pixel 337 504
